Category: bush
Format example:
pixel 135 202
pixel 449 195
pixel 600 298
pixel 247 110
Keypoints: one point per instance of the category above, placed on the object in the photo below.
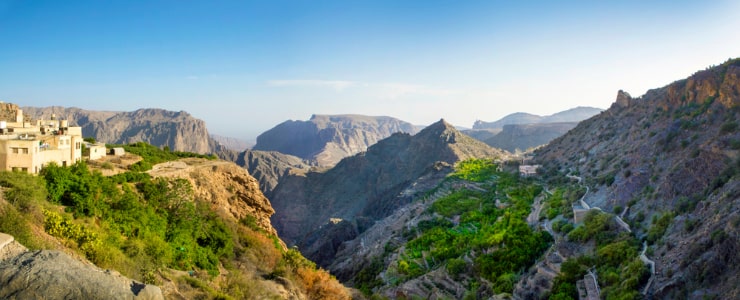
pixel 14 223
pixel 728 127
pixel 23 190
pixel 456 266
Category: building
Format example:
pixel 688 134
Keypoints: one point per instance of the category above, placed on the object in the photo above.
pixel 94 151
pixel 28 146
pixel 528 170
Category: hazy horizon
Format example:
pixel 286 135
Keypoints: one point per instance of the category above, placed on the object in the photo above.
pixel 246 66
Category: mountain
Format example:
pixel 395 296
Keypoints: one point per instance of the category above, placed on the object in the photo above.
pixel 571 115
pixel 270 167
pixel 317 211
pixel 524 131
pixel 525 136
pixel 179 131
pixel 232 143
pixel 326 139
pixel 670 161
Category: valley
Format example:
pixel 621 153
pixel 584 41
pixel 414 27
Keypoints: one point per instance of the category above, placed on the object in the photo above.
pixel 639 201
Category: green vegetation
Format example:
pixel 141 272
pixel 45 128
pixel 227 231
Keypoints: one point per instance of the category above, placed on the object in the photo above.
pixel 139 226
pixel 497 237
pixel 559 202
pixel 152 155
pixel 476 170
pixel 620 271
pixel 659 225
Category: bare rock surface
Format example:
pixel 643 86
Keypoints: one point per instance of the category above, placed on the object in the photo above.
pixel 47 274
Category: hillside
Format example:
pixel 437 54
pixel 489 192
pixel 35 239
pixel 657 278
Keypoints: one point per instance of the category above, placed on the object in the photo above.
pixel 326 139
pixel 196 227
pixel 179 131
pixel 319 211
pixel 669 161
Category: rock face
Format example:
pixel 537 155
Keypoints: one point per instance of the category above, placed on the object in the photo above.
pixel 318 211
pixel 675 149
pixel 46 274
pixel 179 131
pixel 326 139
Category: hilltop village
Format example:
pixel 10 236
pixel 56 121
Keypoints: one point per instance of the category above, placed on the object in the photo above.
pixel 28 145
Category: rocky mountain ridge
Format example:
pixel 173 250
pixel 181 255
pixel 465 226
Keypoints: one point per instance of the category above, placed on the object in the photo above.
pixel 319 210
pixel 179 131
pixel 576 114
pixel 326 139
pixel 670 154
pixel 523 131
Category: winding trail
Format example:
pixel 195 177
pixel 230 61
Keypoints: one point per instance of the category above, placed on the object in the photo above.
pixel 626 227
pixel 650 262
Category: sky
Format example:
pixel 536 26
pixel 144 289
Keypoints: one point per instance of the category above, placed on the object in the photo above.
pixel 246 66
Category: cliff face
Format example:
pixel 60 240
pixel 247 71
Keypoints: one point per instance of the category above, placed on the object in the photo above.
pixel 318 211
pixel 177 130
pixel 674 150
pixel 326 139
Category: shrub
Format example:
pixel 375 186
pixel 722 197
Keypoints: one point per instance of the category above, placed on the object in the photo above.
pixel 728 127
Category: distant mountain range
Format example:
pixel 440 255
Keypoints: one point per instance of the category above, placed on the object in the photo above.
pixel 521 131
pixel 326 139
pixel 232 143
pixel 571 115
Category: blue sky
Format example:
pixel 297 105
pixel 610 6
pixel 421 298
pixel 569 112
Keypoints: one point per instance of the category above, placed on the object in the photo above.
pixel 245 66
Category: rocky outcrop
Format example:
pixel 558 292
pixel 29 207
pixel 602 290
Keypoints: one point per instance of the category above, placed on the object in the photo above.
pixel 326 139
pixel 45 274
pixel 675 149
pixel 366 187
pixel 179 131
pixel 623 99
pixel 228 188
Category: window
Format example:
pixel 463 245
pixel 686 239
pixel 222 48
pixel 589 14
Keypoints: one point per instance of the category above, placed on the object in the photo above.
pixel 25 150
pixel 24 169
pixel 15 150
